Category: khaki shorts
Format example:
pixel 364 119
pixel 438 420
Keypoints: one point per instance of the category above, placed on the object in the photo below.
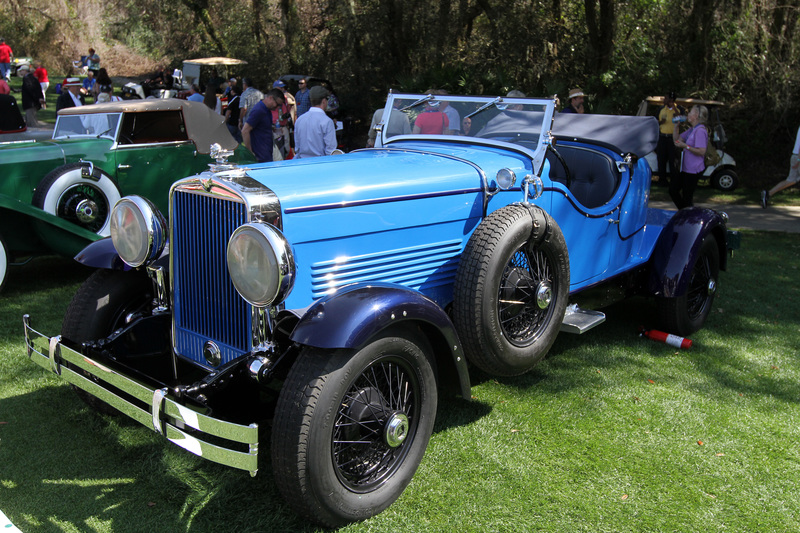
pixel 794 169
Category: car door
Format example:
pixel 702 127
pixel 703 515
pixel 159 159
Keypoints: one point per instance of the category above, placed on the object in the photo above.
pixel 588 210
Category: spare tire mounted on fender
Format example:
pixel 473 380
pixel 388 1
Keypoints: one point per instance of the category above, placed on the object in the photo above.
pixel 511 290
pixel 87 202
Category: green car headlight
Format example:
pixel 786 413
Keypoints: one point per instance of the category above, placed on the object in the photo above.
pixel 138 230
pixel 261 264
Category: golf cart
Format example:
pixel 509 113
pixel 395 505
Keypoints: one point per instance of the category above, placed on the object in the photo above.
pixel 182 79
pixel 722 175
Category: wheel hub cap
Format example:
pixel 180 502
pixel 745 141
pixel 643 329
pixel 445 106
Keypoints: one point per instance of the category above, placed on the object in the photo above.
pixel 396 430
pixel 544 294
pixel 86 211
pixel 712 287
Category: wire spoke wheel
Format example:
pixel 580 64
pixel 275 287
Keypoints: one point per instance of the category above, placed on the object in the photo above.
pixel 511 290
pixel 525 295
pixel 701 283
pixel 685 314
pixel 351 426
pixel 377 416
pixel 85 205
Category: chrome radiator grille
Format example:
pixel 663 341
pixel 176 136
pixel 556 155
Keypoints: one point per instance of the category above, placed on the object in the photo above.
pixel 206 305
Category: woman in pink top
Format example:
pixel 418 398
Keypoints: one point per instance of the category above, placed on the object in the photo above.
pixel 41 75
pixel 693 142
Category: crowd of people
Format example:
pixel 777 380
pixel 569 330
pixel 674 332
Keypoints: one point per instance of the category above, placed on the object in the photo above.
pixel 279 125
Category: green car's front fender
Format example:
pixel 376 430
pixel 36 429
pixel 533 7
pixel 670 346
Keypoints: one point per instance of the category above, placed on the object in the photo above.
pixel 29 230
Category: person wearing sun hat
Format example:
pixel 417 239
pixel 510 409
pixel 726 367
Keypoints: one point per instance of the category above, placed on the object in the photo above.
pixel 70 94
pixel 575 99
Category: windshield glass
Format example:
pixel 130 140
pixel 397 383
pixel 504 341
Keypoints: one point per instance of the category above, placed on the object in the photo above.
pixel 502 118
pixel 88 125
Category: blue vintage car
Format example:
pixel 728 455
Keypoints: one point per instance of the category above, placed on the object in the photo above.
pixel 339 296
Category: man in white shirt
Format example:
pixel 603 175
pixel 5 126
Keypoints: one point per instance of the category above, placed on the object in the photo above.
pixel 314 131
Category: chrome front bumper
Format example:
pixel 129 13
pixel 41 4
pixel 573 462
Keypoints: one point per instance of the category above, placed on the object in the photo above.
pixel 162 414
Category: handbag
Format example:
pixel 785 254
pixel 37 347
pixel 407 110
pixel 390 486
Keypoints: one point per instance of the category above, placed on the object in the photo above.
pixel 712 157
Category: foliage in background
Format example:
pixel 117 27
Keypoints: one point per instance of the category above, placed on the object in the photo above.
pixel 744 52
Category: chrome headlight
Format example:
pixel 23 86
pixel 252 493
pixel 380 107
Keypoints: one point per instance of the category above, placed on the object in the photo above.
pixel 261 264
pixel 505 178
pixel 138 230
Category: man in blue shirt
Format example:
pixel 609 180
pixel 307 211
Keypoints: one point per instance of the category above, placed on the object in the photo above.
pixel 302 98
pixel 314 132
pixel 88 84
pixel 194 94
pixel 257 130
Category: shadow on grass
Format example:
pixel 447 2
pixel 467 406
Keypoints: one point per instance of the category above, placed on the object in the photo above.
pixel 616 346
pixel 43 273
pixel 66 467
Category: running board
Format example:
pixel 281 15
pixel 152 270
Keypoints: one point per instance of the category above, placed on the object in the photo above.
pixel 577 320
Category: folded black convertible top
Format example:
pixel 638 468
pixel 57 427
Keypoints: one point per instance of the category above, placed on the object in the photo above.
pixel 620 133
pixel 624 134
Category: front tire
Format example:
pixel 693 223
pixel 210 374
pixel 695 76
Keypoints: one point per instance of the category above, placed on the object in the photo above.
pixel 511 290
pixel 350 429
pixel 683 315
pixel 107 301
pixel 86 202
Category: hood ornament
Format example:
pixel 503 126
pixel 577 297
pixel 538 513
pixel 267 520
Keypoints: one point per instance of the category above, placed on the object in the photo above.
pixel 220 155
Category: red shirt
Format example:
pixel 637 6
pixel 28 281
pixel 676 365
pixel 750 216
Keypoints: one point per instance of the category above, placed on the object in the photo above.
pixel 41 75
pixel 432 122
pixel 5 53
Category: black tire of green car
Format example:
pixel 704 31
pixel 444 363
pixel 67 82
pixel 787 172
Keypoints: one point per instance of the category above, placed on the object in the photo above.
pixel 511 290
pixel 683 315
pixel 351 427
pixel 106 301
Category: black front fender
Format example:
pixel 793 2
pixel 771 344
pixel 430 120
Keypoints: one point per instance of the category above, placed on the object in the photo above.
pixel 354 315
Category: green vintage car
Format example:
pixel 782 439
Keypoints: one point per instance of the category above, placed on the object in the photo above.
pixel 56 195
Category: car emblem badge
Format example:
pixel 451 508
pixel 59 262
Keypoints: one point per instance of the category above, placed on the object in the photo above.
pixel 206 183
pixel 212 353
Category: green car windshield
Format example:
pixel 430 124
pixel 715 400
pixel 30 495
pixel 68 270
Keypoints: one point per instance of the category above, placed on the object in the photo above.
pixel 89 125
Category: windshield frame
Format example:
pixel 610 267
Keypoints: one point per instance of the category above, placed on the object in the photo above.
pixel 485 108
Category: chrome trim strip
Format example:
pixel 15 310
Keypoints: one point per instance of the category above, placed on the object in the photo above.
pixel 383 200
pixel 93 377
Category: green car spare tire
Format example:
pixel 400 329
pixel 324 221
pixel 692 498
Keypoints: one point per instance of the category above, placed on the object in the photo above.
pixel 511 290
pixel 85 201
pixel 4 260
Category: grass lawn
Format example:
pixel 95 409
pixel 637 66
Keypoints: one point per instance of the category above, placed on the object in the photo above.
pixel 611 432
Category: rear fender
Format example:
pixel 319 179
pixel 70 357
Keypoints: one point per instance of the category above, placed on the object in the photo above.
pixel 355 314
pixel 677 248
